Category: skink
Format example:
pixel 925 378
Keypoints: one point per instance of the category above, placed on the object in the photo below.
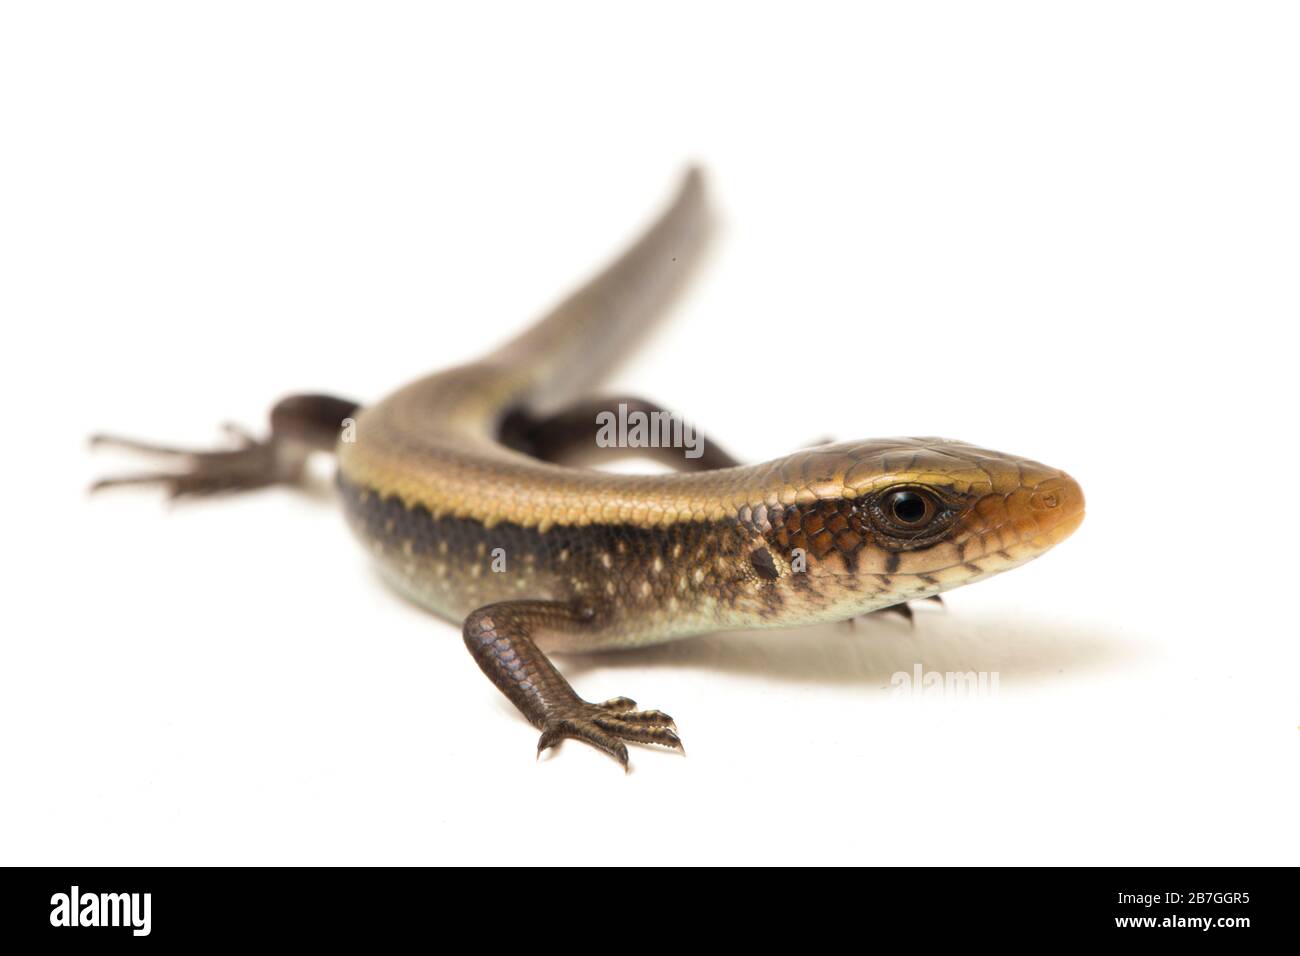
pixel 458 484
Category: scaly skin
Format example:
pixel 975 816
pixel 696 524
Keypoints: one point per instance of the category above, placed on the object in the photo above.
pixel 645 582
pixel 533 556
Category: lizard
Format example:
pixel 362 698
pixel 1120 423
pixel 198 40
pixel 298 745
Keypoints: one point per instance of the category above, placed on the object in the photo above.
pixel 463 484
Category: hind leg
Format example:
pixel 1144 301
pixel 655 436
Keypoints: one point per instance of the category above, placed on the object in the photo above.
pixel 300 425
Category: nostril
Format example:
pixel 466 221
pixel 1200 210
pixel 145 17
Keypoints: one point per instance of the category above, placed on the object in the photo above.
pixel 1061 495
pixel 1043 500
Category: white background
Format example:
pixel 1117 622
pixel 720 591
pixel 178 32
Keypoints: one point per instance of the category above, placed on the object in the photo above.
pixel 1069 232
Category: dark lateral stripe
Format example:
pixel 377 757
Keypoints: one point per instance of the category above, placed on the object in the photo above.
pixel 387 519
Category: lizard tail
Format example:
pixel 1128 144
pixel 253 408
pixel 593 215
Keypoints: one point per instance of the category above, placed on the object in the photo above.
pixel 576 344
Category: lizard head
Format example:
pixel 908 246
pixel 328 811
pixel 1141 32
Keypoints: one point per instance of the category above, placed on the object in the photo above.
pixel 882 522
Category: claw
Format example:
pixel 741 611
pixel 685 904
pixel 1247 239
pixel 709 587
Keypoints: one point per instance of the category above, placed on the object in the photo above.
pixel 549 738
pixel 605 726
pixel 903 610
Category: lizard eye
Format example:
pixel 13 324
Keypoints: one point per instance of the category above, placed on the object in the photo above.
pixel 908 508
pixel 912 515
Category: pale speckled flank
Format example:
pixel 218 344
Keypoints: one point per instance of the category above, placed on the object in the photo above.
pixel 622 573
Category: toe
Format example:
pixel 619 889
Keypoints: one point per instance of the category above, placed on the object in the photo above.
pixel 618 704
pixel 588 731
pixel 641 733
pixel 654 717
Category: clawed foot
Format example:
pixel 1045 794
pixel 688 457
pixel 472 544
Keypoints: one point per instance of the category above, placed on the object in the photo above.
pixel 903 610
pixel 249 464
pixel 605 726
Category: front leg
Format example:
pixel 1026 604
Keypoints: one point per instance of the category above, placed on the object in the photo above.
pixel 501 638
